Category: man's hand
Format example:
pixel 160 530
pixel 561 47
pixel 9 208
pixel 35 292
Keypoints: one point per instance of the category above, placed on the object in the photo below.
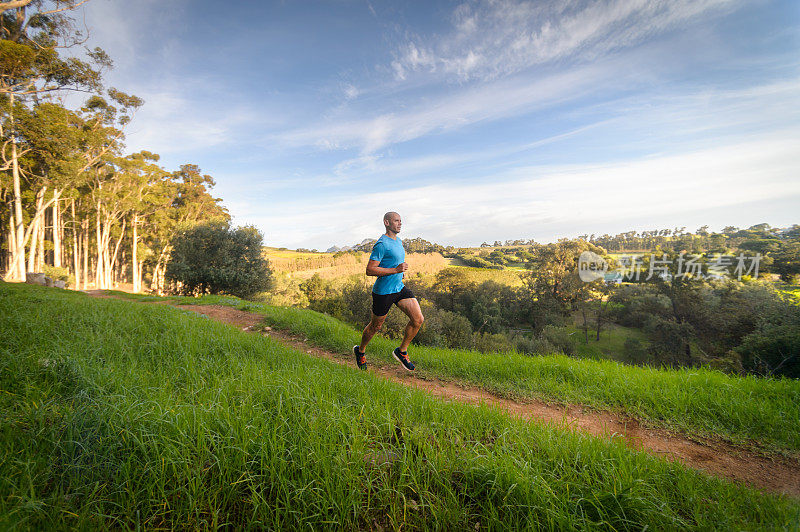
pixel 376 271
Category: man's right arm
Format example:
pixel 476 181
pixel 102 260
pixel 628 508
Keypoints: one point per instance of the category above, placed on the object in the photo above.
pixel 376 271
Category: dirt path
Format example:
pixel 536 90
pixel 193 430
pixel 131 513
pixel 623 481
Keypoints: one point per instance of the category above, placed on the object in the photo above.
pixel 774 474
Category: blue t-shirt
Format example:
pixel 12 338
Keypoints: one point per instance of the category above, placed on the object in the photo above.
pixel 391 254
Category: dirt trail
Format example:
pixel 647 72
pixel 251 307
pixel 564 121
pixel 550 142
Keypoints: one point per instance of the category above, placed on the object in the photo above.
pixel 770 473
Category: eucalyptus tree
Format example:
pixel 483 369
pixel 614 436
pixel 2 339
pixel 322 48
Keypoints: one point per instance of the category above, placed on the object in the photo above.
pixel 51 134
pixel 151 195
pixel 103 162
pixel 111 195
pixel 191 203
pixel 34 32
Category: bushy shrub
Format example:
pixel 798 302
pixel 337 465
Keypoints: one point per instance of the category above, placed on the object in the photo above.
pixel 491 343
pixel 560 338
pixel 283 292
pixel 730 363
pixel 670 341
pixel 631 306
pixel 773 349
pixel 533 345
pixel 443 328
pixel 635 352
pixel 350 301
pixel 59 274
pixel 213 258
pixel 551 340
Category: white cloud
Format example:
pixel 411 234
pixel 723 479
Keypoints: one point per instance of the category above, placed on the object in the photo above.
pixel 538 202
pixel 170 123
pixel 500 37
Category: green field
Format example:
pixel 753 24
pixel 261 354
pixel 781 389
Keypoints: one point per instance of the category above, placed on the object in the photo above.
pixel 510 277
pixel 118 414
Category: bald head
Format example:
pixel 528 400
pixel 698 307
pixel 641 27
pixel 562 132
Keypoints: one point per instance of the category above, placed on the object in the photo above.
pixel 392 222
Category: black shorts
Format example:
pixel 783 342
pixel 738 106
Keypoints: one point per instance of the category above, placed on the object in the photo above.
pixel 381 303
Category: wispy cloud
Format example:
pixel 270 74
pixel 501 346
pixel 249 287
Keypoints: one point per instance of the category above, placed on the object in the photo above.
pixel 187 107
pixel 351 170
pixel 677 114
pixel 490 101
pixel 170 123
pixel 120 28
pixel 501 37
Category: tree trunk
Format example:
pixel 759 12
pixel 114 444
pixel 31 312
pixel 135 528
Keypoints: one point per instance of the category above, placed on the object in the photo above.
pixel 33 231
pixel 585 324
pixel 35 227
pixel 40 243
pixel 56 230
pixel 600 318
pixel 137 286
pixel 140 278
pixel 99 274
pixel 28 235
pixel 62 230
pixel 116 249
pixel 76 246
pixel 154 280
pixel 17 270
pixel 85 227
pixel 157 284
pixel 106 253
pixel 12 238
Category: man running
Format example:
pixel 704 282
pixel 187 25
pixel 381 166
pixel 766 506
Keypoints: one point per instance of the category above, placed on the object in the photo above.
pixel 387 263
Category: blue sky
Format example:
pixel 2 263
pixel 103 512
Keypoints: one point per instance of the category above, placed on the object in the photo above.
pixel 477 121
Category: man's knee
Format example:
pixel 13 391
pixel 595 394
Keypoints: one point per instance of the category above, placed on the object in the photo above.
pixel 376 323
pixel 418 320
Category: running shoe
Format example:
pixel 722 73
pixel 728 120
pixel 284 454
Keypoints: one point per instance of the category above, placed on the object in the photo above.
pixel 402 357
pixel 361 358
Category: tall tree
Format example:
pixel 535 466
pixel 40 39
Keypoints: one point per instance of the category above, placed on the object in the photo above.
pixel 191 203
pixel 31 67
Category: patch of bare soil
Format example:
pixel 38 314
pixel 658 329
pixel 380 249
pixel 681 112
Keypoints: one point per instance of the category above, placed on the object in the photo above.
pixel 770 473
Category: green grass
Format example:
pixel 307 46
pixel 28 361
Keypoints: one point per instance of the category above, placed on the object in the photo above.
pixel 751 411
pixel 121 415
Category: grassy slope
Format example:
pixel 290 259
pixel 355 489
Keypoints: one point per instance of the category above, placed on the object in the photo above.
pixel 117 414
pixel 693 400
pixel 696 401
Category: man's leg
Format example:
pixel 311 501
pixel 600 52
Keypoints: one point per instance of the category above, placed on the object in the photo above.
pixel 410 306
pixel 372 327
